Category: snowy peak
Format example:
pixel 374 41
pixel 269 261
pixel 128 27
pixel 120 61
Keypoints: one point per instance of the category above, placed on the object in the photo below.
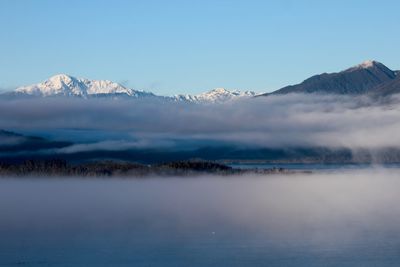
pixel 65 85
pixel 368 64
pixel 216 95
pixel 97 87
pixel 60 84
pixel 61 79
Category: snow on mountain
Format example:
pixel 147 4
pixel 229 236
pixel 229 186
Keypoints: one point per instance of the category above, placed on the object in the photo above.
pixel 65 85
pixel 217 95
pixel 367 64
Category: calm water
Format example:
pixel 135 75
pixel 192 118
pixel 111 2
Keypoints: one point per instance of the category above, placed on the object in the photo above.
pixel 344 218
pixel 315 166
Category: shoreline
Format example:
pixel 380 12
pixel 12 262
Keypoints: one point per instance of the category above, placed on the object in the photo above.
pixel 61 168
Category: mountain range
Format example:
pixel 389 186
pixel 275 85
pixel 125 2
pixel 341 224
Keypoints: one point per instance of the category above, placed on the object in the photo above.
pixel 63 85
pixel 370 77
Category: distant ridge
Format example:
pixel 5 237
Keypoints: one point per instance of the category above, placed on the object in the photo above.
pixel 14 142
pixel 216 95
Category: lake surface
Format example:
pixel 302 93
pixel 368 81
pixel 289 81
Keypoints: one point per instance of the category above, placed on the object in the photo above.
pixel 315 166
pixel 343 218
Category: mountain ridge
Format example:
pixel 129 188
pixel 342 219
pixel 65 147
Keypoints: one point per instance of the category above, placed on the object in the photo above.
pixel 360 79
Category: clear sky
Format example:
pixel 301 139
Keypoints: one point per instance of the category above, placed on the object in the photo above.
pixel 191 46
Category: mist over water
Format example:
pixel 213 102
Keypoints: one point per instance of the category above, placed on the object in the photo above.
pixel 281 121
pixel 344 218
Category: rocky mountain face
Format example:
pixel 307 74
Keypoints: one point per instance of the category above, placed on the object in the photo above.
pixel 363 78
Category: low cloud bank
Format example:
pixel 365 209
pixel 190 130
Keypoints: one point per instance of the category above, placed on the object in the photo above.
pixel 267 122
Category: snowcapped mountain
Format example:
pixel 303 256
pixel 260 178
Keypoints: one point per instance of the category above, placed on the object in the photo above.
pixel 215 96
pixel 65 85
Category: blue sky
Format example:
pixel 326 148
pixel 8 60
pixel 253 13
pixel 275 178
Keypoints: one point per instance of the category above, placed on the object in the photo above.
pixel 173 47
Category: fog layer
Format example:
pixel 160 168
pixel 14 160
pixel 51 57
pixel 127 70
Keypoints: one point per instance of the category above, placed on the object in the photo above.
pixel 274 121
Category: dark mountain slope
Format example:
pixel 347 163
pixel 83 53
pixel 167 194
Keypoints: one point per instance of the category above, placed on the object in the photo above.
pixel 388 88
pixel 13 142
pixel 353 81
